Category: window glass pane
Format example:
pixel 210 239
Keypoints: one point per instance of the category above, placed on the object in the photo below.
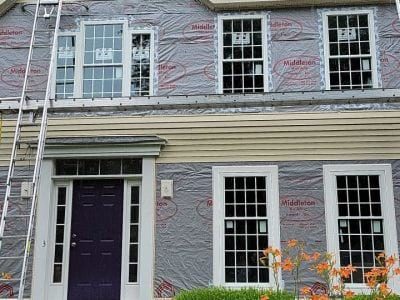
pixel 141 59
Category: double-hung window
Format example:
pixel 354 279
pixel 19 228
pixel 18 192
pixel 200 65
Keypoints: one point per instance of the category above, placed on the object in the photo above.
pixel 105 59
pixel 246 221
pixel 242 59
pixel 360 216
pixel 350 59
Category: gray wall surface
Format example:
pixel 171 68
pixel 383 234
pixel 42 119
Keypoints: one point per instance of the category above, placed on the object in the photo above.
pixel 186 44
pixel 184 227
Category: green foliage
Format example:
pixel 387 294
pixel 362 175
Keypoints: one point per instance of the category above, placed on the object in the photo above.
pixel 230 294
pixel 371 297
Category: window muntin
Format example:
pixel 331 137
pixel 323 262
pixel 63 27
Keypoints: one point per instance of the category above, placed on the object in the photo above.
pixel 242 58
pixel 103 65
pixel 349 46
pixel 141 68
pixel 65 72
pixel 59 234
pixel 360 223
pixel 246 229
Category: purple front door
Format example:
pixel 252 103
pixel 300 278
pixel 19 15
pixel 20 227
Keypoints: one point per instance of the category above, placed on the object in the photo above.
pixel 96 240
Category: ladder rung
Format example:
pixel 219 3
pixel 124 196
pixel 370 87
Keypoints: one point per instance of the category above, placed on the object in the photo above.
pixel 42 45
pixel 8 280
pixel 11 257
pixel 17 216
pixel 21 177
pixel 18 237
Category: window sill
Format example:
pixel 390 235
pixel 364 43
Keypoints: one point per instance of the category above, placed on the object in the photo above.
pixel 262 4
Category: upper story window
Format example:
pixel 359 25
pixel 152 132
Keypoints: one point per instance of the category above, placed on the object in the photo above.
pixel 242 59
pixel 105 60
pixel 246 221
pixel 350 57
pixel 360 216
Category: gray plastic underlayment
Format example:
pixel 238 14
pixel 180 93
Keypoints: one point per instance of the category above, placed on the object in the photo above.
pixel 186 44
pixel 184 223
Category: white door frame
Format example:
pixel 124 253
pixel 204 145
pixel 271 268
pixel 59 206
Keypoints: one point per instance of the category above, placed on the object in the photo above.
pixel 42 288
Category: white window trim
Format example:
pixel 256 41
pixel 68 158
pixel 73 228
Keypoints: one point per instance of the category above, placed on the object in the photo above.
pixel 384 171
pixel 221 18
pixel 371 25
pixel 126 57
pixel 218 174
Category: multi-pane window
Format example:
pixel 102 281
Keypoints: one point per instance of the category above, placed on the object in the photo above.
pixel 134 234
pixel 246 229
pixel 349 49
pixel 65 67
pixel 141 54
pixel 246 221
pixel 243 60
pixel 359 202
pixel 103 66
pixel 59 234
pixel 107 60
pixel 360 223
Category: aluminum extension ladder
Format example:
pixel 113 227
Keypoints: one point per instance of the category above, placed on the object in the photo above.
pixel 19 208
pixel 398 7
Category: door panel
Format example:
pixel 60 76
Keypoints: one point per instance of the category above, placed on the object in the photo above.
pixel 96 240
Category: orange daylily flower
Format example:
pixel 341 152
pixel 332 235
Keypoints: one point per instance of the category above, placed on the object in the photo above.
pixel 322 267
pixel 319 297
pixel 272 250
pixel 396 271
pixel 345 272
pixel 292 243
pixel 6 276
pixel 264 297
pixel 306 291
pixel 349 294
pixel 288 265
pixel 315 256
pixel 304 256
pixel 384 289
pixel 390 261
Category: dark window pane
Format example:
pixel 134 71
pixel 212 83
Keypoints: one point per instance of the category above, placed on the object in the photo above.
pixel 365 210
pixel 62 195
pixel 344 242
pixel 229 258
pixel 375 195
pixel 252 275
pixel 133 253
pixel 261 197
pixel 378 243
pixel 264 275
pixel 134 234
pixel 252 258
pixel 376 210
pixel 58 255
pixel 368 258
pixel 343 211
pixel 240 210
pixel 229 197
pixel 241 258
pixel 132 166
pixel 342 195
pixel 135 214
pixel 251 210
pixel 252 243
pixel 134 195
pixel 241 275
pixel 59 234
pixel 250 183
pixel 355 242
pixel 251 196
pixel 261 210
pixel 229 210
pixel 239 182
pixel 374 181
pixel 352 181
pixel 367 242
pixel 344 258
pixel 60 214
pixel 88 167
pixel 229 275
pixel 66 167
pixel 133 272
pixel 110 166
pixel 57 273
pixel 356 259
pixel 353 196
pixel 229 183
pixel 260 182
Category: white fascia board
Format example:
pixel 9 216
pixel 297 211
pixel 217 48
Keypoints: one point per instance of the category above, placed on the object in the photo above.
pixel 262 4
pixel 5 5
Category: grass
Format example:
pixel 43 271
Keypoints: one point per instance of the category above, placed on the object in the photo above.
pixel 229 294
pixel 249 294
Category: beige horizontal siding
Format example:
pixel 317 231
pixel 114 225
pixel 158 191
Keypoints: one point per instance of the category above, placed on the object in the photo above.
pixel 247 137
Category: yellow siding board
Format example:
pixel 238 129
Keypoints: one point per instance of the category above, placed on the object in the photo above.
pixel 247 137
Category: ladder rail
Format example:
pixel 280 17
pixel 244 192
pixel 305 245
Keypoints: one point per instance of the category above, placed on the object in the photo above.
pixel 40 150
pixel 18 127
pixel 398 7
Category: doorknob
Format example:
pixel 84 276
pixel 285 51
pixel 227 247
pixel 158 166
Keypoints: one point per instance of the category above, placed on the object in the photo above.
pixel 73 235
pixel 73 244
